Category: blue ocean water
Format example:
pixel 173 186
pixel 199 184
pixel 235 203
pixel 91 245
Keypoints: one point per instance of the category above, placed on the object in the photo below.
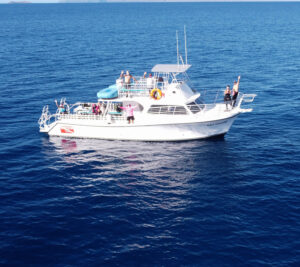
pixel 223 202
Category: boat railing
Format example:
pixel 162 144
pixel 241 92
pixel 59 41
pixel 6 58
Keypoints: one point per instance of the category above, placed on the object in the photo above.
pixel 212 96
pixel 46 118
pixel 218 101
pixel 81 116
pixel 92 116
pixel 248 98
pixel 141 87
pixel 109 116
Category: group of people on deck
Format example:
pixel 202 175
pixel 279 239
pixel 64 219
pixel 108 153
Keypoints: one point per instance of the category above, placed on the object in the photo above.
pixel 127 84
pixel 230 97
pixel 61 107
pixel 128 78
pixel 98 109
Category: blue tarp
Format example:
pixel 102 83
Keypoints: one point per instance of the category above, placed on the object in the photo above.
pixel 109 92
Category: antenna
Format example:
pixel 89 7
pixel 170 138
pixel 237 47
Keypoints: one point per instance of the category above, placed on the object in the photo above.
pixel 182 61
pixel 185 45
pixel 177 48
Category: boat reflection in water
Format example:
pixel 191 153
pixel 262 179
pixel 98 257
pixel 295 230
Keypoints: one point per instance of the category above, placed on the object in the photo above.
pixel 141 174
pixel 119 156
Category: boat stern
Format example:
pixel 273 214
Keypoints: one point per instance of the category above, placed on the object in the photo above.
pixel 47 120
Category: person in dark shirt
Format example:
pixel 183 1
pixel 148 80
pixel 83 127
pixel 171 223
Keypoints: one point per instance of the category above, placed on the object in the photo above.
pixel 227 96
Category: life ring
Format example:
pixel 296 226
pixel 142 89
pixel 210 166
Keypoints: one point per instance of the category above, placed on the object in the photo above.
pixel 156 94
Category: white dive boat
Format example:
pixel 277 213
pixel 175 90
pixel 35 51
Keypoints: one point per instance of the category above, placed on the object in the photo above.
pixel 166 109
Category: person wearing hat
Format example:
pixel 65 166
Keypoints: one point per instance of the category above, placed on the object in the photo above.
pixel 127 79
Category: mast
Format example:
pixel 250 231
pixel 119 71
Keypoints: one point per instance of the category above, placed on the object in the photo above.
pixel 185 45
pixel 177 48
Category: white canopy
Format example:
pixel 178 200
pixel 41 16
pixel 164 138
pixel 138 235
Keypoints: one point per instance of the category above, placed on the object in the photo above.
pixel 167 68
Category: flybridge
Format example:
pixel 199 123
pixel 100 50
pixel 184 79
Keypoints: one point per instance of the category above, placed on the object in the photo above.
pixel 174 68
pixel 170 68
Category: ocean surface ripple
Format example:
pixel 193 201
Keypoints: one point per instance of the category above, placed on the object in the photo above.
pixel 221 202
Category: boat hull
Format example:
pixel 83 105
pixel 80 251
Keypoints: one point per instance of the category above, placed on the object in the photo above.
pixel 158 132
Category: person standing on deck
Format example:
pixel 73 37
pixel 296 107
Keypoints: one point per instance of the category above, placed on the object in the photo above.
pixel 150 82
pixel 129 111
pixel 227 96
pixel 235 91
pixel 127 79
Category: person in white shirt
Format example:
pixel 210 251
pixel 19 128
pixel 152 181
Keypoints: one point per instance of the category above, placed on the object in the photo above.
pixel 150 82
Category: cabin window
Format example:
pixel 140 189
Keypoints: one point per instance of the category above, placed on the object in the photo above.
pixel 167 110
pixel 196 106
pixel 193 107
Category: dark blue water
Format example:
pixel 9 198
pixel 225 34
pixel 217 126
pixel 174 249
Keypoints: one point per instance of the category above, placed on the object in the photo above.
pixel 232 201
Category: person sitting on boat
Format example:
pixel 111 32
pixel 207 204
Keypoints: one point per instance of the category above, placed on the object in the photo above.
pixel 235 91
pixel 118 108
pixel 94 108
pixel 61 107
pixel 127 79
pixel 98 108
pixel 129 111
pixel 227 96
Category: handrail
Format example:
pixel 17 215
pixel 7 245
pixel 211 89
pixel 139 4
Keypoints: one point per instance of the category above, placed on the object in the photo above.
pixel 46 118
pixel 248 98
pixel 195 107
pixel 92 116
